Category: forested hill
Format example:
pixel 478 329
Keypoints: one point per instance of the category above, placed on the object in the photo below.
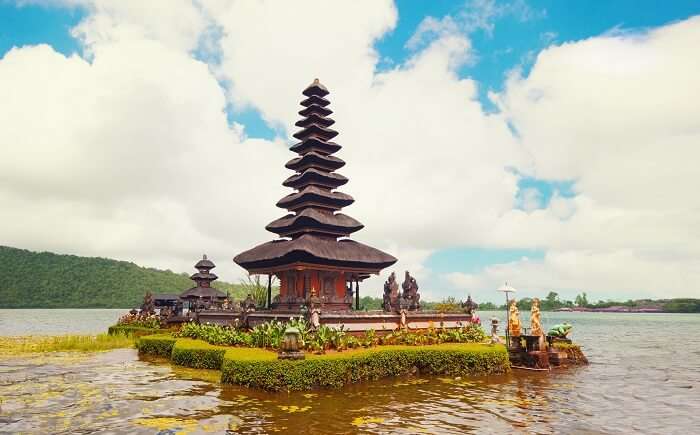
pixel 46 280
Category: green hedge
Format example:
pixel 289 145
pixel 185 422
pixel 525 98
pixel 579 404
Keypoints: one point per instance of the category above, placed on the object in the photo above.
pixel 159 345
pixel 197 354
pixel 133 331
pixel 260 368
pixel 336 370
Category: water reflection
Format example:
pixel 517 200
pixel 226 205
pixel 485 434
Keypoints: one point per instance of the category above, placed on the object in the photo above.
pixel 640 381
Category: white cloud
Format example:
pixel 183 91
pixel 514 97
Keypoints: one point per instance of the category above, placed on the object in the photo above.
pixel 130 155
pixel 475 15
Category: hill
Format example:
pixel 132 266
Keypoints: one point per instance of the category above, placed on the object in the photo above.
pixel 46 280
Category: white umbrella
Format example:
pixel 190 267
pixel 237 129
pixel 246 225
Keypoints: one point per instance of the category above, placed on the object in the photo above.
pixel 507 289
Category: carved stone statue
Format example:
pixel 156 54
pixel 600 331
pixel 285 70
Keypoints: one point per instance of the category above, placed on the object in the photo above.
pixel 410 292
pixel 315 318
pixel 535 321
pixel 149 305
pixel 404 323
pixel 469 305
pixel 514 319
pixel 391 293
pixel 314 299
pixel 249 303
pixel 495 338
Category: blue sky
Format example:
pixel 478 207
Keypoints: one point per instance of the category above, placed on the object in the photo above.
pixel 504 36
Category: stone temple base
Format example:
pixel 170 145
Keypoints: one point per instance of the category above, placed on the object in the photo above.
pixel 354 322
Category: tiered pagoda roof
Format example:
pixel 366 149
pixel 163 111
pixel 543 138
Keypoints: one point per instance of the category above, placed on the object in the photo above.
pixel 203 278
pixel 310 232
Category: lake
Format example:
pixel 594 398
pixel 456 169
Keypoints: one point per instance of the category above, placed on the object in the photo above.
pixel 644 377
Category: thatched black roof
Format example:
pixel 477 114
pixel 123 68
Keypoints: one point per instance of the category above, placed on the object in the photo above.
pixel 313 220
pixel 203 292
pixel 315 226
pixel 313 249
pixel 314 195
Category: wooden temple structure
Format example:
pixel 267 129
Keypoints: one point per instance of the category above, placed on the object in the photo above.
pixel 318 265
pixel 203 293
pixel 314 255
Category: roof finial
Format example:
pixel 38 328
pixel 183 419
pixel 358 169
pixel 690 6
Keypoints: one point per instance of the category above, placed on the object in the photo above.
pixel 316 81
pixel 204 256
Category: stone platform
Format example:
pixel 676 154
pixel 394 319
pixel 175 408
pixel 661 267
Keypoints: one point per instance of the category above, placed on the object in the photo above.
pixel 356 322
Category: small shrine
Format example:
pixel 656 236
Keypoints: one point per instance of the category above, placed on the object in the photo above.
pixel 203 294
pixel 314 252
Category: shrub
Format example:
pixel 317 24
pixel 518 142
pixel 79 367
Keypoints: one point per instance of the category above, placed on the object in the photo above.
pixel 197 354
pixel 160 345
pixel 215 334
pixel 324 338
pixel 335 370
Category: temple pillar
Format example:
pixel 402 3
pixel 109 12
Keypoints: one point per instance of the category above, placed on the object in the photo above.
pixel 269 291
pixel 357 295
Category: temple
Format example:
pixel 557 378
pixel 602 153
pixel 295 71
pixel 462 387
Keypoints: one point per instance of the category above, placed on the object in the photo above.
pixel 203 294
pixel 314 254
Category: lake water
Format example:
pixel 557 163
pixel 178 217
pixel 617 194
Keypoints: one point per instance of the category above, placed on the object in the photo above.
pixel 644 377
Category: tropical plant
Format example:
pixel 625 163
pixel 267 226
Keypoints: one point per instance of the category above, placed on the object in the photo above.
pixel 254 286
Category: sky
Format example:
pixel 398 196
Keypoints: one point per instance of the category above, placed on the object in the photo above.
pixel 550 144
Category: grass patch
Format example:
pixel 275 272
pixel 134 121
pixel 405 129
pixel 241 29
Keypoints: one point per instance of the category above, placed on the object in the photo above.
pixel 64 343
pixel 136 331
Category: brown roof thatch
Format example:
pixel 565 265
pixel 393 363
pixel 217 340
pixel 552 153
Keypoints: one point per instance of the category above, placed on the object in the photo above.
pixel 315 118
pixel 204 276
pixel 312 220
pixel 203 292
pixel 315 88
pixel 315 144
pixel 315 130
pixel 315 177
pixel 315 99
pixel 315 160
pixel 313 249
pixel 315 195
pixel 204 263
pixel 315 109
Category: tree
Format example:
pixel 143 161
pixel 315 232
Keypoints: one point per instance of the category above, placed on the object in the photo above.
pixel 551 302
pixel 582 300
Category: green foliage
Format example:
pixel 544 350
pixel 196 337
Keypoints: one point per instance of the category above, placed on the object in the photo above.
pixel 197 354
pixel 215 334
pixel 524 304
pixel 336 370
pixel 682 306
pixel 368 303
pixel 468 334
pixel 68 281
pixel 581 300
pixel 159 345
pixel 268 334
pixel 449 305
pixel 132 331
pixel 488 306
pixel 255 287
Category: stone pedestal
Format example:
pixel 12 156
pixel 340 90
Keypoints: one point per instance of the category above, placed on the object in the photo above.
pixel 538 359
